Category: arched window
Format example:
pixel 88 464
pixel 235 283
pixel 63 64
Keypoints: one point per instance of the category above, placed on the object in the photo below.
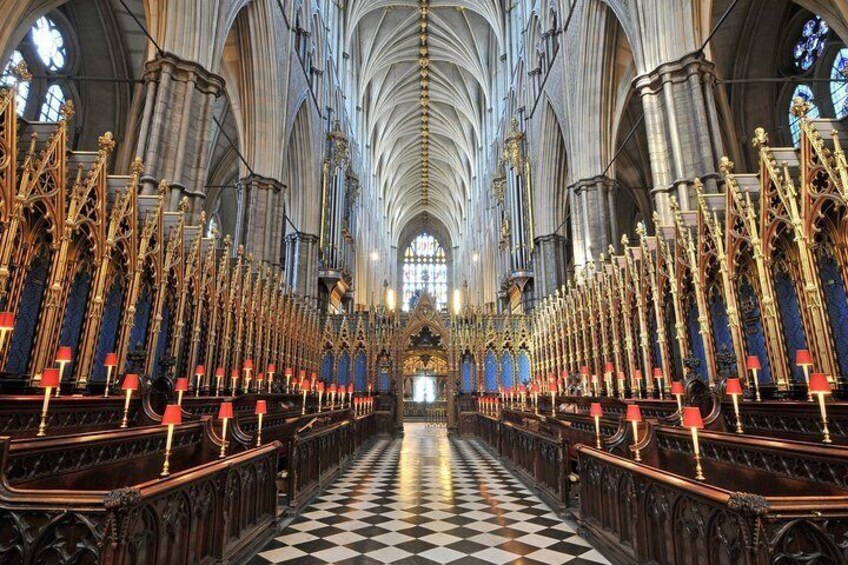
pixel 801 91
pixel 44 50
pixel 839 83
pixel 425 269
pixel 811 44
pixel 10 80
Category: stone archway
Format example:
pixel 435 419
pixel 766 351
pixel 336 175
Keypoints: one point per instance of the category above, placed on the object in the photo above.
pixel 424 351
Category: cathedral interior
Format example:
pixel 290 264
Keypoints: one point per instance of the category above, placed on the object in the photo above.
pixel 423 281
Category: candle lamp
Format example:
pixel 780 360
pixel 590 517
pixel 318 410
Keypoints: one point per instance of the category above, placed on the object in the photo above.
pixel 199 372
pixel 49 380
pixel 820 386
pixel 289 372
pixel 225 412
pixel 350 391
pixel 621 380
pixel 7 324
pixel 261 410
pixel 219 376
pixel 692 420
pixel 130 384
pixel 234 377
pixel 320 387
pixel 312 379
pixel 110 363
pixel 609 369
pixel 634 416
pixel 596 411
pixel 522 393
pixel 637 383
pixel 535 393
pixel 658 376
pixel 270 371
pixel 753 365
pixel 331 395
pixel 63 357
pixel 804 359
pixel 734 389
pixel 248 374
pixel 173 417
pixel 677 392
pixel 356 404
pixel 304 390
pixel 180 387
pixel 553 389
pixel 584 378
pixel 564 379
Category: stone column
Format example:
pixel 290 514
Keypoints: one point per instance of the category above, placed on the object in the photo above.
pixel 550 264
pixel 684 139
pixel 593 224
pixel 301 268
pixel 264 221
pixel 176 127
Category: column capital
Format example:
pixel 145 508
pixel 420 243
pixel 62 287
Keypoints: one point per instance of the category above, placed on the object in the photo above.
pixel 263 183
pixel 592 183
pixel 675 71
pixel 184 71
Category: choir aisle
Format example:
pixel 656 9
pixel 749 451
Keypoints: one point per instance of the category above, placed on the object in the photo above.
pixel 425 499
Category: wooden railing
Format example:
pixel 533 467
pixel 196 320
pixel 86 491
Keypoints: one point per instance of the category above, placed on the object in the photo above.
pixel 539 460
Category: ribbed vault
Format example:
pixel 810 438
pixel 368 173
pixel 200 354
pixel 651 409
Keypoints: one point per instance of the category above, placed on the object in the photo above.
pixel 464 38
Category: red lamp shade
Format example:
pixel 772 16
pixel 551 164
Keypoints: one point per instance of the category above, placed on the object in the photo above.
pixel 658 374
pixel 733 387
pixel 50 378
pixel 634 413
pixel 234 374
pixel 173 415
pixel 130 382
pixel 534 388
pixel 522 389
pixel 753 362
pixel 248 365
pixel 552 387
pixel 677 387
pixel 609 368
pixel 314 375
pixel 181 385
pixel 320 386
pixel 111 360
pixel 64 354
pixel 584 370
pixel 219 372
pixel 621 376
pixel 303 374
pixel 803 357
pixel 332 388
pixel 692 417
pixel 551 377
pixel 596 410
pixel 350 389
pixel 200 370
pixel 225 411
pixel 272 369
pixel 819 383
pixel 7 321
pixel 261 407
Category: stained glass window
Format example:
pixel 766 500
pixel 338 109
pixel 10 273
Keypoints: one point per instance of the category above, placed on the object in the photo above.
pixel 49 43
pixel 22 86
pixel 52 104
pixel 811 44
pixel 425 269
pixel 839 83
pixel 801 91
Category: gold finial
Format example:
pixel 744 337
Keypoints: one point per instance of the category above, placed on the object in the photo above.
pixel 106 142
pixel 726 165
pixel 760 138
pixel 625 241
pixel 240 251
pixel 203 217
pixel 699 186
pixel 800 107
pixel 611 250
pixel 21 72
pixel 78 181
pixel 137 167
pixel 228 240
pixel 183 205
pixel 162 188
pixel 67 111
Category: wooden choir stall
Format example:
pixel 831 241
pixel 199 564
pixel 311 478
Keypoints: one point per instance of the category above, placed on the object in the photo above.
pixel 689 398
pixel 158 397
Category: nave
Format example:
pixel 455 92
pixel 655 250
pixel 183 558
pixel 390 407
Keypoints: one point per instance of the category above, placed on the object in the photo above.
pixel 424 499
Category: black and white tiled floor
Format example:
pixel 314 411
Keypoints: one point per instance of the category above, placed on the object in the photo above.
pixel 423 500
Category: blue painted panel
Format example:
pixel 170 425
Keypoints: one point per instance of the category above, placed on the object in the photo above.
pixel 361 371
pixel 138 336
pixel 108 330
pixel 75 316
pixel 524 376
pixel 490 376
pixel 468 374
pixel 755 340
pixel 837 308
pixel 32 294
pixel 790 316
pixel 507 370
pixel 718 316
pixel 695 341
pixel 383 384
pixel 327 367
pixel 163 340
pixel 344 368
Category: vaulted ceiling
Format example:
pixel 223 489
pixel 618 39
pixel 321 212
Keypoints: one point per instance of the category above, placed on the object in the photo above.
pixel 464 39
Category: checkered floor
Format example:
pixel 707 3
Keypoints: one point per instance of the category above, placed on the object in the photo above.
pixel 427 500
